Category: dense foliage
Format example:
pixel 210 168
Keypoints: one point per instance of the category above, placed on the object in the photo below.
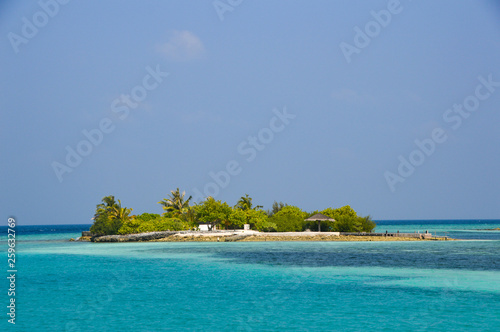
pixel 175 204
pixel 111 218
pixel 289 219
pixel 276 208
pixel 257 219
pixel 347 220
pixel 214 212
pixel 148 222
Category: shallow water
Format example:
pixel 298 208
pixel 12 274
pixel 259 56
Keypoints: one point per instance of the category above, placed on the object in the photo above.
pixel 253 286
pixel 457 229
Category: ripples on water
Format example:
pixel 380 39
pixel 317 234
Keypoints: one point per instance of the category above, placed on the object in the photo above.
pixel 471 256
pixel 254 286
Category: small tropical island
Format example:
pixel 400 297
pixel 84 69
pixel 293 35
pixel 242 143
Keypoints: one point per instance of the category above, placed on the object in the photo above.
pixel 216 221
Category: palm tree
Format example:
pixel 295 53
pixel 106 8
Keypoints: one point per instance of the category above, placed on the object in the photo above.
pixel 245 203
pixel 109 216
pixel 108 203
pixel 120 213
pixel 117 216
pixel 191 215
pixel 176 203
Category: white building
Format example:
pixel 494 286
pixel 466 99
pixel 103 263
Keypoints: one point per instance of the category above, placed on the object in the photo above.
pixel 206 227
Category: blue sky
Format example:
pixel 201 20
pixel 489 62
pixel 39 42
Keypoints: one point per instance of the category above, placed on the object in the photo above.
pixel 283 101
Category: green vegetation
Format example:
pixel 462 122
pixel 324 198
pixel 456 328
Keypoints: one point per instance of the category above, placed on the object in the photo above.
pixel 175 205
pixel 111 218
pixel 346 220
pixel 149 222
pixel 258 220
pixel 276 208
pixel 289 219
pixel 214 212
pixel 245 203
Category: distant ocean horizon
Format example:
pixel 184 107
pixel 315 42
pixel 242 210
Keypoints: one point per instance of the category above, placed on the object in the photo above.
pixel 254 286
pixel 72 226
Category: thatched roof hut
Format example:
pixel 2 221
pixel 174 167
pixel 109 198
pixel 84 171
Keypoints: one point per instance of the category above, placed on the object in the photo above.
pixel 319 218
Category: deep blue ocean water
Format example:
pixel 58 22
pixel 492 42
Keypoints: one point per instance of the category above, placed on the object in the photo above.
pixel 258 286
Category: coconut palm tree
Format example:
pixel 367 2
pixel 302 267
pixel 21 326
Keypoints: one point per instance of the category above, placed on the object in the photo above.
pixel 109 216
pixel 245 203
pixel 108 203
pixel 117 215
pixel 176 202
pixel 120 213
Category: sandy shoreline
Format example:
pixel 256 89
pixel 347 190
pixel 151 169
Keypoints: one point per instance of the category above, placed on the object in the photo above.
pixel 253 236
pixel 284 238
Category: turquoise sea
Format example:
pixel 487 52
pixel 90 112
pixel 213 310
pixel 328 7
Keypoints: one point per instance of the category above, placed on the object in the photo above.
pixel 257 286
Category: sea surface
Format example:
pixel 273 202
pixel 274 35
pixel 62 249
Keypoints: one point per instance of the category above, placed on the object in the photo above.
pixel 257 286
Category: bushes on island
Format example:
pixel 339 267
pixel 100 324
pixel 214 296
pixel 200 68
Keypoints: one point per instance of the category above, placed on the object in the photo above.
pixel 347 220
pixel 111 218
pixel 148 222
pixel 289 219
pixel 258 219
pixel 367 224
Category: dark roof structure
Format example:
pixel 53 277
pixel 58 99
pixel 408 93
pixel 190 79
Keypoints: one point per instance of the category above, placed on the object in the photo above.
pixel 320 217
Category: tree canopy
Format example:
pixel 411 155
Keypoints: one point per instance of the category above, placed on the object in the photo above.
pixel 176 204
pixel 347 220
pixel 245 203
pixel 112 218
pixel 276 208
pixel 214 212
pixel 289 219
pixel 109 216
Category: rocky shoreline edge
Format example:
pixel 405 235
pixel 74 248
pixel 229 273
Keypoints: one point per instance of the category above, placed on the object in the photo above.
pixel 254 236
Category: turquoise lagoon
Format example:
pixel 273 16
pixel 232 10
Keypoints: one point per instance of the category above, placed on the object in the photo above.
pixel 258 286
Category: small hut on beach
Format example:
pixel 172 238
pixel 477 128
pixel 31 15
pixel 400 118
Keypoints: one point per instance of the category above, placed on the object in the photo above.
pixel 319 218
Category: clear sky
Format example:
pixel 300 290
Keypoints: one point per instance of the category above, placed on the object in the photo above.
pixel 392 108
